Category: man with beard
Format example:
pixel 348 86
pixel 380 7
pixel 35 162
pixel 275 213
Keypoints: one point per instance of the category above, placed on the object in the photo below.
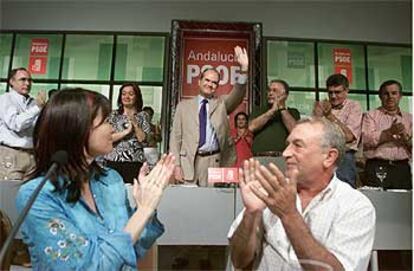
pixel 387 140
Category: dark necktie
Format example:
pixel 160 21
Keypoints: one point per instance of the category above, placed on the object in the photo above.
pixel 202 117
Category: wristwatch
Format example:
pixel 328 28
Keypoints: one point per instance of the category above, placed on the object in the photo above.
pixel 282 108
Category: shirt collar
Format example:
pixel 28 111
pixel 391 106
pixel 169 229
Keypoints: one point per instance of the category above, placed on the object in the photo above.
pixel 17 95
pixel 383 110
pixel 321 196
pixel 201 98
pixel 340 106
pixel 104 177
pixel 93 178
pixel 330 187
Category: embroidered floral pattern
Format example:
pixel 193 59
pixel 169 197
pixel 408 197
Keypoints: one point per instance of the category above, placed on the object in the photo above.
pixel 68 246
pixel 63 236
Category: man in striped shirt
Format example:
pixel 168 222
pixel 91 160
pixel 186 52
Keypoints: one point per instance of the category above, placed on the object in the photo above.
pixel 347 114
pixel 387 140
pixel 307 217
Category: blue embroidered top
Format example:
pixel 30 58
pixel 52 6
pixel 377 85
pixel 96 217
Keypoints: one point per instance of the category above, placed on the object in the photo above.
pixel 70 236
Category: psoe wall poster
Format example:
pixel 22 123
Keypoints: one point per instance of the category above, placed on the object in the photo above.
pixel 39 51
pixel 342 58
pixel 201 53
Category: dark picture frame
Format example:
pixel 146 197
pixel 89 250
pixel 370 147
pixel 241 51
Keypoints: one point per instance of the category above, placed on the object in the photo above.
pixel 180 29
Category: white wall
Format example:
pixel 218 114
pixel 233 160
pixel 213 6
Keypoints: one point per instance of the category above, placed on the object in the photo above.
pixel 376 21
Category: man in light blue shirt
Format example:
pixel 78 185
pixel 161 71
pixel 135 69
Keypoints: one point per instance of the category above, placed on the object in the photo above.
pixel 18 114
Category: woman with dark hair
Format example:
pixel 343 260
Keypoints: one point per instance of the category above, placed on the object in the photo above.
pixel 243 138
pixel 132 130
pixel 82 219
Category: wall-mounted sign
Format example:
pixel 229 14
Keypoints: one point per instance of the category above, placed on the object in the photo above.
pixel 295 60
pixel 200 53
pixel 198 45
pixel 39 51
pixel 205 52
pixel 223 175
pixel 342 58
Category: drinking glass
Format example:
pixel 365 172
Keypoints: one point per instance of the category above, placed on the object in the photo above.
pixel 152 156
pixel 381 173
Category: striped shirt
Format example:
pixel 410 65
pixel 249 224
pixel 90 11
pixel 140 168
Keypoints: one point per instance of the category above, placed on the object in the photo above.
pixel 374 123
pixel 350 114
pixel 340 218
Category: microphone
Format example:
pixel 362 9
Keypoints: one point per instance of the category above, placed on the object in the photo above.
pixel 58 159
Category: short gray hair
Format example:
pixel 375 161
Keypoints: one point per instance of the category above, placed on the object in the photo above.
pixel 283 83
pixel 332 136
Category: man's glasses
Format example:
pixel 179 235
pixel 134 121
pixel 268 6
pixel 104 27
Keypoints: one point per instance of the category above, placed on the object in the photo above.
pixel 336 92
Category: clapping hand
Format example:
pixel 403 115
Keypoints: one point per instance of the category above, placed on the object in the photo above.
pixel 322 108
pixel 279 192
pixel 40 99
pixel 326 107
pixel 150 185
pixel 128 127
pixel 281 100
pixel 318 109
pixel 248 183
pixel 139 133
pixel 398 133
pixel 275 105
pixel 397 130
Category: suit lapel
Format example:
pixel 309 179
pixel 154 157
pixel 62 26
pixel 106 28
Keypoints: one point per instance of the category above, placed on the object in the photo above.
pixel 193 110
pixel 213 103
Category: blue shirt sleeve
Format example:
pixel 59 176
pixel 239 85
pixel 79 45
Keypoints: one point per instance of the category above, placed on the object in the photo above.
pixel 57 243
pixel 153 229
pixel 149 235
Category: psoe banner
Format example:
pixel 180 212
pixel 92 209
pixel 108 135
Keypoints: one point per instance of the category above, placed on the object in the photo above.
pixel 200 53
pixel 223 175
pixel 342 58
pixel 39 51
